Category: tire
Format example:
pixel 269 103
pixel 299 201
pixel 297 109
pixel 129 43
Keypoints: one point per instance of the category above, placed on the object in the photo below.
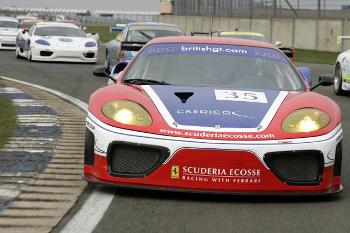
pixel 338 80
pixel 17 53
pixel 29 55
pixel 107 63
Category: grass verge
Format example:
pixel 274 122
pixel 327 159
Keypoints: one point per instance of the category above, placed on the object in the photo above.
pixel 313 56
pixel 7 120
pixel 103 31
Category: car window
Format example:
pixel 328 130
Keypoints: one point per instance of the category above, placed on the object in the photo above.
pixel 31 30
pixel 145 34
pixel 8 24
pixel 216 65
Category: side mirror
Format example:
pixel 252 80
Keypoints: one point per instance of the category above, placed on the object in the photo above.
pixel 25 30
pixel 278 43
pixel 119 67
pixel 100 71
pixel 306 73
pixel 324 80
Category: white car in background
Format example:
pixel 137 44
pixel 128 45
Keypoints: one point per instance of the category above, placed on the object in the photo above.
pixel 55 41
pixel 342 70
pixel 8 32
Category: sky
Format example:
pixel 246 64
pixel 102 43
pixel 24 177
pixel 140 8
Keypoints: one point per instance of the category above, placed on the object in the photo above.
pixel 137 5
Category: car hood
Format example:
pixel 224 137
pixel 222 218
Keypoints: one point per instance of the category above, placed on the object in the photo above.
pixel 181 110
pixel 9 31
pixel 219 108
pixel 65 42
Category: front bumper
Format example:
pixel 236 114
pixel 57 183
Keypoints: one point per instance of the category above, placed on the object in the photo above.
pixel 8 42
pixel 41 53
pixel 212 166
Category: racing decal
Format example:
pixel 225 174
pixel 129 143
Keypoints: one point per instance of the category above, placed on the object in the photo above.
pixel 232 50
pixel 211 109
pixel 175 172
pixel 245 96
pixel 216 174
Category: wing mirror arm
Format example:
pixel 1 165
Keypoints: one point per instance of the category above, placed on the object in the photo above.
pixel 101 71
pixel 323 80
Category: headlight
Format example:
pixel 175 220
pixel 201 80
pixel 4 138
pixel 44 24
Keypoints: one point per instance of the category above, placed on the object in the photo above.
pixel 305 120
pixel 90 44
pixel 42 42
pixel 127 112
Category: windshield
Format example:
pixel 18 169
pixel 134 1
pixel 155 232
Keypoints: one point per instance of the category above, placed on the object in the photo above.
pixel 8 24
pixel 59 31
pixel 216 65
pixel 142 34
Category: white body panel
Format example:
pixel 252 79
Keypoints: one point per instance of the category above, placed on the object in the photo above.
pixel 344 60
pixel 105 134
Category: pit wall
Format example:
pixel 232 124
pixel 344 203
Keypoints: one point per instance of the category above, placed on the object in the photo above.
pixel 310 34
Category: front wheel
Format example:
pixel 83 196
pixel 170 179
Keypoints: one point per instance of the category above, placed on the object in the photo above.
pixel 17 52
pixel 338 80
pixel 29 55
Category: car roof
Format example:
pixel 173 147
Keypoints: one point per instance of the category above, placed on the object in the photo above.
pixel 240 33
pixel 53 24
pixel 211 40
pixel 11 19
pixel 151 24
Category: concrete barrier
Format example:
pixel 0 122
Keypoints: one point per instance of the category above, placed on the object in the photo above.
pixel 311 34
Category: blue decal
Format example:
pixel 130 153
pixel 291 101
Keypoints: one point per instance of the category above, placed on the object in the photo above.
pixel 199 106
pixel 213 49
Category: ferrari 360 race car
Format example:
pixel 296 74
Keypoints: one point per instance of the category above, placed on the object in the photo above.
pixel 214 115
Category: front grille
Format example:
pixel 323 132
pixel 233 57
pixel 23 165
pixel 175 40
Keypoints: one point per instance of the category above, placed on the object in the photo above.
pixel 89 55
pixel 8 45
pixel 89 147
pixel 296 167
pixel 46 53
pixel 338 159
pixel 134 160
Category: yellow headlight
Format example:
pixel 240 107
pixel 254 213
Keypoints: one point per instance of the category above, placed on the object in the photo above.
pixel 127 112
pixel 305 120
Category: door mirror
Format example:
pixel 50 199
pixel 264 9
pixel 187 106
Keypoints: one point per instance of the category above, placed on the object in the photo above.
pixel 306 73
pixel 100 71
pixel 119 67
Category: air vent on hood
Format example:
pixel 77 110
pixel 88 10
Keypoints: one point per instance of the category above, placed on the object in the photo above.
pixel 184 96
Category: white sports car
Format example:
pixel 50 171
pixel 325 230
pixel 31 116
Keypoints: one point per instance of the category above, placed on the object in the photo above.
pixel 342 73
pixel 8 32
pixel 54 41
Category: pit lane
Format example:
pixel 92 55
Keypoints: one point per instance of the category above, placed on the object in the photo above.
pixel 149 211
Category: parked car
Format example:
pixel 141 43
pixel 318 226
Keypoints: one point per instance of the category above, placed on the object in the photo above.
pixel 132 37
pixel 8 33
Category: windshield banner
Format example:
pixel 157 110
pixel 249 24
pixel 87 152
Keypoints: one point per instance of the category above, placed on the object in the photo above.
pixel 213 49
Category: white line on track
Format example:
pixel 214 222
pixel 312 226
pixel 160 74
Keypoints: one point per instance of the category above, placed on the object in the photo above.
pixel 89 214
pixel 98 202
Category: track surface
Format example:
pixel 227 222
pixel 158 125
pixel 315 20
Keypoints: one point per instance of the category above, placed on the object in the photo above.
pixel 149 211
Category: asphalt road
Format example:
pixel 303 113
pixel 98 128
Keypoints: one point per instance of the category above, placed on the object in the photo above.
pixel 152 212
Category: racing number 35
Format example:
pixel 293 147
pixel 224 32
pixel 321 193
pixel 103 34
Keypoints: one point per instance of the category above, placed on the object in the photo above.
pixel 244 96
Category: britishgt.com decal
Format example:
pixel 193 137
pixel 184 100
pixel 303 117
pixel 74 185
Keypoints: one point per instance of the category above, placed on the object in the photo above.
pixel 216 135
pixel 216 175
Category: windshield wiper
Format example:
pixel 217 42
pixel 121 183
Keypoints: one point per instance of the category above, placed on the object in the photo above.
pixel 139 81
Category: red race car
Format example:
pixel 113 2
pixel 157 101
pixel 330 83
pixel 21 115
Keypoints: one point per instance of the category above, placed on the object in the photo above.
pixel 214 115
